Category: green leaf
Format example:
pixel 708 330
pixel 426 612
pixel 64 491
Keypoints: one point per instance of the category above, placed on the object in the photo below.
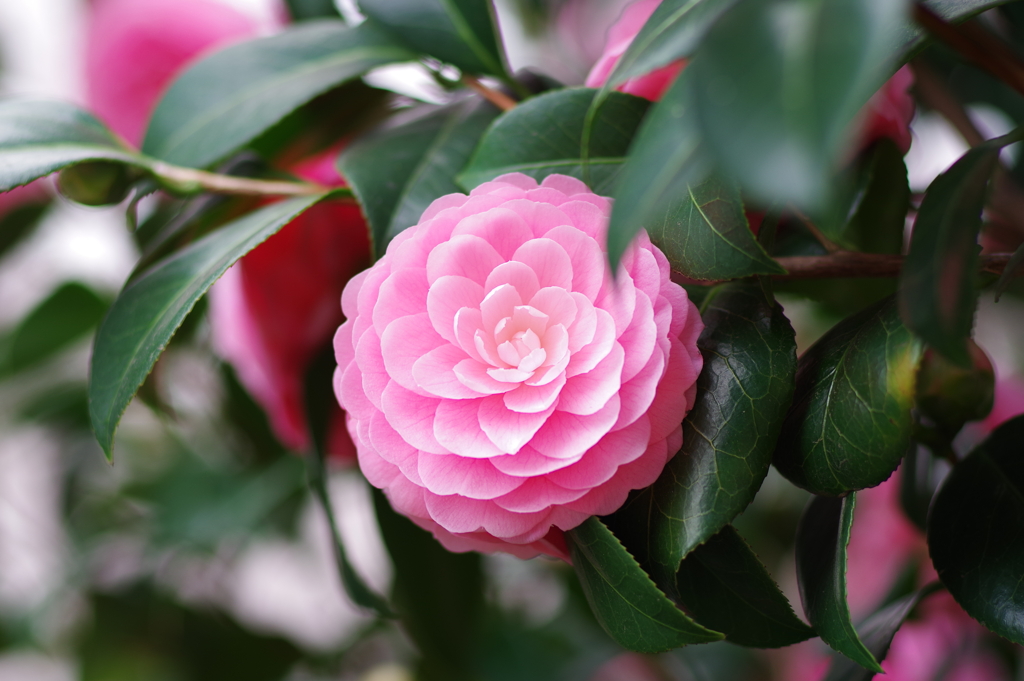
pixel 230 97
pixel 779 82
pixel 399 169
pixel 913 38
pixel 938 293
pixel 723 585
pixel 18 223
pixel 542 136
pixel 460 32
pixel 319 395
pixel 743 392
pixel 149 310
pixel 705 234
pixel 38 138
pixel 625 601
pixel 850 422
pixel 664 158
pixel 439 595
pixel 976 532
pixel 65 316
pixel 877 634
pixel 821 541
pixel 1013 268
pixel 874 219
pixel 304 10
pixel 672 32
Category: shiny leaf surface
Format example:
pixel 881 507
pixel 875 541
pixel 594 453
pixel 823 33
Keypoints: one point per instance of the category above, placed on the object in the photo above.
pixel 150 308
pixel 542 136
pixel 976 532
pixel 399 169
pixel 821 542
pixel 850 422
pixel 743 392
pixel 227 99
pixel 460 32
pixel 625 601
pixel 723 585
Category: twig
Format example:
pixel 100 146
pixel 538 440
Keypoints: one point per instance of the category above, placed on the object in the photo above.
pixel 982 47
pixel 498 99
pixel 1007 201
pixel 191 181
pixel 847 264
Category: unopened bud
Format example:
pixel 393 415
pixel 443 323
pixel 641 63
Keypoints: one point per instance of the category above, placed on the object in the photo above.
pixel 951 395
pixel 96 183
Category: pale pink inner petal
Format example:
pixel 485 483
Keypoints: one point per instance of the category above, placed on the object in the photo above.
pixel 473 375
pixel 558 304
pixel 500 227
pixel 535 398
pixel 521 277
pixel 589 266
pixel 498 304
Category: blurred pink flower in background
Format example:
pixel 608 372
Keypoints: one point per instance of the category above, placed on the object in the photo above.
pixel 651 85
pixel 500 387
pixel 887 114
pixel 1009 402
pixel 278 307
pixel 135 48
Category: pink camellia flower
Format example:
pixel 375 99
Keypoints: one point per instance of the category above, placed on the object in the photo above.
pixel 277 307
pixel 500 386
pixel 650 85
pixel 887 114
pixel 134 48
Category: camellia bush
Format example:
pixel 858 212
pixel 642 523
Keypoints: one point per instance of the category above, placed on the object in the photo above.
pixel 542 319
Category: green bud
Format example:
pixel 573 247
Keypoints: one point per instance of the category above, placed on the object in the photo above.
pixel 951 395
pixel 97 183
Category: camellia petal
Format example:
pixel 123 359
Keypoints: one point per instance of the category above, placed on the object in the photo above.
pixel 523 388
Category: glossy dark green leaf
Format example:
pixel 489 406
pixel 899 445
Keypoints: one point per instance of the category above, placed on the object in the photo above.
pixel 149 310
pixel 850 422
pixel 778 84
pixel 743 392
pixel 821 541
pixel 304 10
pixel 64 317
pixel 542 136
pixel 230 97
pixel 724 586
pixel 877 633
pixel 671 33
pixel 938 293
pixel 460 32
pixel 397 170
pixel 874 218
pixel 319 396
pixel 664 159
pixel 438 595
pixel 625 601
pixel 705 234
pixel 19 222
pixel 976 532
pixel 1013 269
pixel 38 138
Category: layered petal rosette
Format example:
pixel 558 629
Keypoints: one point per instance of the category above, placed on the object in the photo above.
pixel 500 385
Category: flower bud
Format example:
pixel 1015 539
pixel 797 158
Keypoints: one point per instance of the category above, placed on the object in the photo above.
pixel 96 183
pixel 950 394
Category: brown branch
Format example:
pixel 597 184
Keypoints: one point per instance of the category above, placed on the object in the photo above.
pixel 848 265
pixel 191 181
pixel 495 97
pixel 976 44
